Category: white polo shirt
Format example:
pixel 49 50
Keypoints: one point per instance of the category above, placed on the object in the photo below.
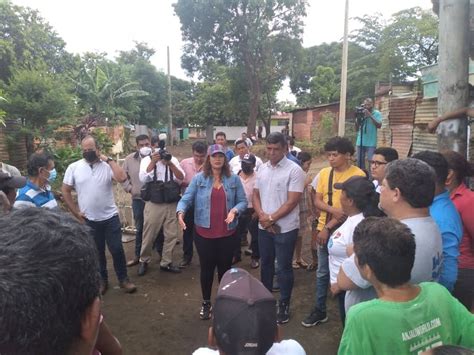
pixel 274 183
pixel 94 187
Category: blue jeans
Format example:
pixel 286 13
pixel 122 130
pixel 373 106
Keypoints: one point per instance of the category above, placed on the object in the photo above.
pixel 110 232
pixel 281 247
pixel 361 152
pixel 322 278
pixel 138 206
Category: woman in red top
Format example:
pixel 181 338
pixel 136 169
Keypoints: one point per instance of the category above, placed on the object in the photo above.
pixel 463 199
pixel 218 198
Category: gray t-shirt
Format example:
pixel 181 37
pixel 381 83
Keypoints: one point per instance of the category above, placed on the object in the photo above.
pixel 427 266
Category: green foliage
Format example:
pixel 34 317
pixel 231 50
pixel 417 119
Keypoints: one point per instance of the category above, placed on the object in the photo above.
pixel 35 97
pixel 255 35
pixel 27 41
pixel 2 113
pixel 103 141
pixel 64 156
pixel 323 87
pixel 324 132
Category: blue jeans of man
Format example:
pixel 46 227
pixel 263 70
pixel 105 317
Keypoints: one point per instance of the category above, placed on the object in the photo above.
pixel 138 205
pixel 279 246
pixel 361 152
pixel 109 232
pixel 322 278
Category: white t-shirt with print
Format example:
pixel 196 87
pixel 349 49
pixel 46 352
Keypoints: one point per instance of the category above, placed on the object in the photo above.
pixel 338 243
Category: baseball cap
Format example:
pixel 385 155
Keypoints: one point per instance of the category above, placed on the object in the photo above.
pixel 7 180
pixel 249 159
pixel 356 185
pixel 215 148
pixel 244 320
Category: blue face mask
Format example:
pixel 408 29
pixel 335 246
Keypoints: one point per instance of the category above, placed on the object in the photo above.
pixel 52 175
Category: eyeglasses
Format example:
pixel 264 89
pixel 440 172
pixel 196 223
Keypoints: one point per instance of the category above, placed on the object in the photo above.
pixel 377 163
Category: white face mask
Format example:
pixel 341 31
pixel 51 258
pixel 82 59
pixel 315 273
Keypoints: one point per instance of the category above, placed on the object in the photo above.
pixel 145 151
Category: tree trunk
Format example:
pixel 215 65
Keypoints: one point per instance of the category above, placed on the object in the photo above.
pixel 254 106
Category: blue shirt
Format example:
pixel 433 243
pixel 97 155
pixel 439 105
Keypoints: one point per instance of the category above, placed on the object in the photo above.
pixel 33 196
pixel 369 131
pixel 229 154
pixel 449 223
pixel 294 159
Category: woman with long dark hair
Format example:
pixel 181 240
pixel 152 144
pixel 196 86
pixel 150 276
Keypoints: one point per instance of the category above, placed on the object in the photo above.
pixel 218 197
pixel 463 199
pixel 358 201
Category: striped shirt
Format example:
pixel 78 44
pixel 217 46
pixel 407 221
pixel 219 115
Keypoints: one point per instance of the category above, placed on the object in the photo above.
pixel 33 196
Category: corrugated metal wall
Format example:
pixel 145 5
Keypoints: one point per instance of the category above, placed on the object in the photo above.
pixel 401 118
pixel 426 111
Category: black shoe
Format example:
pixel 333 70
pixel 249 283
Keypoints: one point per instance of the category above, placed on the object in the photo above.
pixel 142 268
pixel 316 317
pixel 184 263
pixel 206 310
pixel 283 312
pixel 170 268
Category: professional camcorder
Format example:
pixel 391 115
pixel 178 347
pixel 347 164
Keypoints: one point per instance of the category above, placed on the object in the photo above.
pixel 164 155
pixel 360 115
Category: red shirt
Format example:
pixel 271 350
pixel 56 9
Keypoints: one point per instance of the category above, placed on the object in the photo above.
pixel 463 199
pixel 218 227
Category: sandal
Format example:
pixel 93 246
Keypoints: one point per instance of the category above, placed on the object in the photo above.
pixel 295 264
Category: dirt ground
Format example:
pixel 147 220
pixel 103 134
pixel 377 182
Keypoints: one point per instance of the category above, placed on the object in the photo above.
pixel 162 317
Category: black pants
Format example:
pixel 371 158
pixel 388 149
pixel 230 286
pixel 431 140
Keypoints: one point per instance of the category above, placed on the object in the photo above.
pixel 464 288
pixel 247 224
pixel 215 252
pixel 188 235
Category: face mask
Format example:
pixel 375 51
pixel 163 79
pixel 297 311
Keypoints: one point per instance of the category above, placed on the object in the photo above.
pixel 145 151
pixel 52 175
pixel 247 169
pixel 90 156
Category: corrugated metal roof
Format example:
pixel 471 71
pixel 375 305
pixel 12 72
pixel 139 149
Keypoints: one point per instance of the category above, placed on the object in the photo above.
pixel 402 139
pixel 402 116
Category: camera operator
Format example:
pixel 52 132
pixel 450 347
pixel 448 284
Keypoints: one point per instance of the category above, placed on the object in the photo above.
pixel 367 124
pixel 158 215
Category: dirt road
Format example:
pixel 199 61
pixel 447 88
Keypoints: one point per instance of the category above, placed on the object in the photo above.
pixel 162 317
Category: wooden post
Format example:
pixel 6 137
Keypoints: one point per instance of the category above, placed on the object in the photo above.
pixel 342 102
pixel 453 69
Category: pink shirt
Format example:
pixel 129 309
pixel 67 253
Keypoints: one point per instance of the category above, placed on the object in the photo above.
pixel 190 170
pixel 248 183
pixel 463 199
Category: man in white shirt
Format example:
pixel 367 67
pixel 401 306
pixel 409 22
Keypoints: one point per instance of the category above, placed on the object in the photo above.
pixel 92 178
pixel 242 149
pixel 159 215
pixel 382 156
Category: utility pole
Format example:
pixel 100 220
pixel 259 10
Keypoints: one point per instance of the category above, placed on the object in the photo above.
pixel 342 101
pixel 170 117
pixel 453 69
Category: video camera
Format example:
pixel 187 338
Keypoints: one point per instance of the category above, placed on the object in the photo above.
pixel 164 154
pixel 360 115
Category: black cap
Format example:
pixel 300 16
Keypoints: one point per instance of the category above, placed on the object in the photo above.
pixel 244 320
pixel 9 181
pixel 249 159
pixel 359 185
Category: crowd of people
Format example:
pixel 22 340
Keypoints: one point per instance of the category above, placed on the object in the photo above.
pixel 394 245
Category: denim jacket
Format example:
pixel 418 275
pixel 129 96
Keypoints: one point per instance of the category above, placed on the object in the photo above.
pixel 198 194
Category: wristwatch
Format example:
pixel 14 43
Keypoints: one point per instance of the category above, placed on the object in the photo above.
pixel 270 218
pixel 109 159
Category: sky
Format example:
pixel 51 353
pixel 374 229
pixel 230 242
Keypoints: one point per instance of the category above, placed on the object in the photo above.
pixel 113 25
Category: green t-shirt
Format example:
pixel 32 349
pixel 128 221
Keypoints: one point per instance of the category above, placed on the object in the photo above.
pixel 432 319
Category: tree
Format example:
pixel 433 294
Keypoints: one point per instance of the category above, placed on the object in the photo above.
pixel 104 91
pixel 323 85
pixel 241 32
pixel 27 41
